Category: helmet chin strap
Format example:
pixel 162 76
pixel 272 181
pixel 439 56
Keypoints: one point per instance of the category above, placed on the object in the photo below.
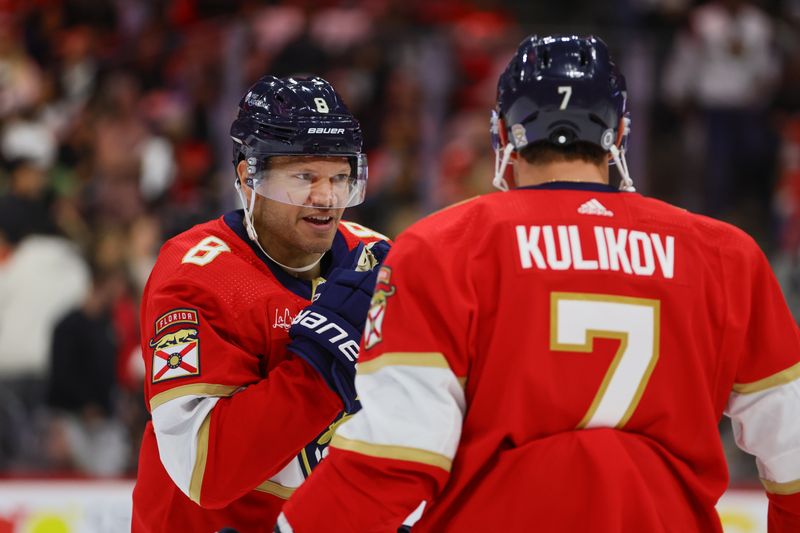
pixel 251 232
pixel 619 159
pixel 500 164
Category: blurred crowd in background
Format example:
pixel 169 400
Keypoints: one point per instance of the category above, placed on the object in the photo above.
pixel 114 119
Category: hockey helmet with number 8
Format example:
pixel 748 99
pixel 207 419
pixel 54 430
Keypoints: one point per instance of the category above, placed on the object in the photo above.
pixel 298 117
pixel 560 89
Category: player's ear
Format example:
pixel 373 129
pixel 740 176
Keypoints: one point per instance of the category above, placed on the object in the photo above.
pixel 241 172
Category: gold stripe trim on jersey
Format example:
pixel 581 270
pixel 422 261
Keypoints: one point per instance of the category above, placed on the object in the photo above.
pixel 788 487
pixel 199 469
pixel 276 489
pixel 387 451
pixel 306 465
pixel 428 359
pixel 775 380
pixel 193 389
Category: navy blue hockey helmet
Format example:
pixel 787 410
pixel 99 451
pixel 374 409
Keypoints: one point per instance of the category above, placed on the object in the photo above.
pixel 560 89
pixel 297 117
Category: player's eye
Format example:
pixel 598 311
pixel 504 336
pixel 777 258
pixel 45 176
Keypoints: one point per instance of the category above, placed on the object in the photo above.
pixel 304 176
pixel 340 178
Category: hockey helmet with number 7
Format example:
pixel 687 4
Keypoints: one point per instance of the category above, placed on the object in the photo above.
pixel 560 89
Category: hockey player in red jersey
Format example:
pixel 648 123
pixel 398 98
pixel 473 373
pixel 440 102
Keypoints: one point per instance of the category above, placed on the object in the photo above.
pixel 556 357
pixel 243 398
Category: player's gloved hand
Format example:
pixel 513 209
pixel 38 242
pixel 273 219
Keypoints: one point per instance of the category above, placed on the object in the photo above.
pixel 327 333
pixel 379 250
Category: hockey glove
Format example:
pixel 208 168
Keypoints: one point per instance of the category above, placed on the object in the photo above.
pixel 327 333
pixel 379 250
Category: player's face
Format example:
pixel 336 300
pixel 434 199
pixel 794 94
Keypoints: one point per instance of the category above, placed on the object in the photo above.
pixel 292 232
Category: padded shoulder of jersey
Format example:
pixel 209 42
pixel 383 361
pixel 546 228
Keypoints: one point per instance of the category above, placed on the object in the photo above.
pixel 468 220
pixel 211 244
pixel 354 233
pixel 710 232
pixel 212 257
pixel 454 222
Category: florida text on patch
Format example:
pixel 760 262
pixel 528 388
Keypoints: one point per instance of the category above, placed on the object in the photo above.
pixel 174 317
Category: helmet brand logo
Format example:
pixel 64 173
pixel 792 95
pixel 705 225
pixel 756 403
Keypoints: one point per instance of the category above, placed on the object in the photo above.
pixel 256 100
pixel 334 131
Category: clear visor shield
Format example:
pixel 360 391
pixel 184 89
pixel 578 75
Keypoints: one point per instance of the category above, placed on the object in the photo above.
pixel 328 182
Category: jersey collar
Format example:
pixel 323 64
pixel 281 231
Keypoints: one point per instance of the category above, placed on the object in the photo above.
pixel 572 185
pixel 302 288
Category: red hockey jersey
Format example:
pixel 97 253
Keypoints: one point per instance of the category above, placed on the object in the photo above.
pixel 557 359
pixel 237 422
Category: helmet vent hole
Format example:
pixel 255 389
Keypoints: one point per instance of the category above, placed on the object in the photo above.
pixel 544 59
pixel 583 58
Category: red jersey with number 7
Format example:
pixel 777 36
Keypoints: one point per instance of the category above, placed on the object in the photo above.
pixel 557 358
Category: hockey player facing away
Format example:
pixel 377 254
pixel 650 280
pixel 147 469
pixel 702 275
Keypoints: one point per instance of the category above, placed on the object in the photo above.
pixel 238 419
pixel 557 357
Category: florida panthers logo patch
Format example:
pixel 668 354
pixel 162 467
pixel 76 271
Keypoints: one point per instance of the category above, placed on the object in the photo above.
pixel 176 355
pixel 373 331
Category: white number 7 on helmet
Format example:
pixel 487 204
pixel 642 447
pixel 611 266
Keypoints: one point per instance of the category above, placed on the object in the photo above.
pixel 566 90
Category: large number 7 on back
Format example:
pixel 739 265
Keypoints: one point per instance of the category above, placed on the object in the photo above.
pixel 577 318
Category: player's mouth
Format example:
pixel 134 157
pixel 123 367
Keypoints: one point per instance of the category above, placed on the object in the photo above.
pixel 320 221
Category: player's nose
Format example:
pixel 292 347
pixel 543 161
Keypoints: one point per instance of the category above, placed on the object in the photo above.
pixel 322 194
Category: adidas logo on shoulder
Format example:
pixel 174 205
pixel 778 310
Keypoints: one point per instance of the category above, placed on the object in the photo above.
pixel 594 207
